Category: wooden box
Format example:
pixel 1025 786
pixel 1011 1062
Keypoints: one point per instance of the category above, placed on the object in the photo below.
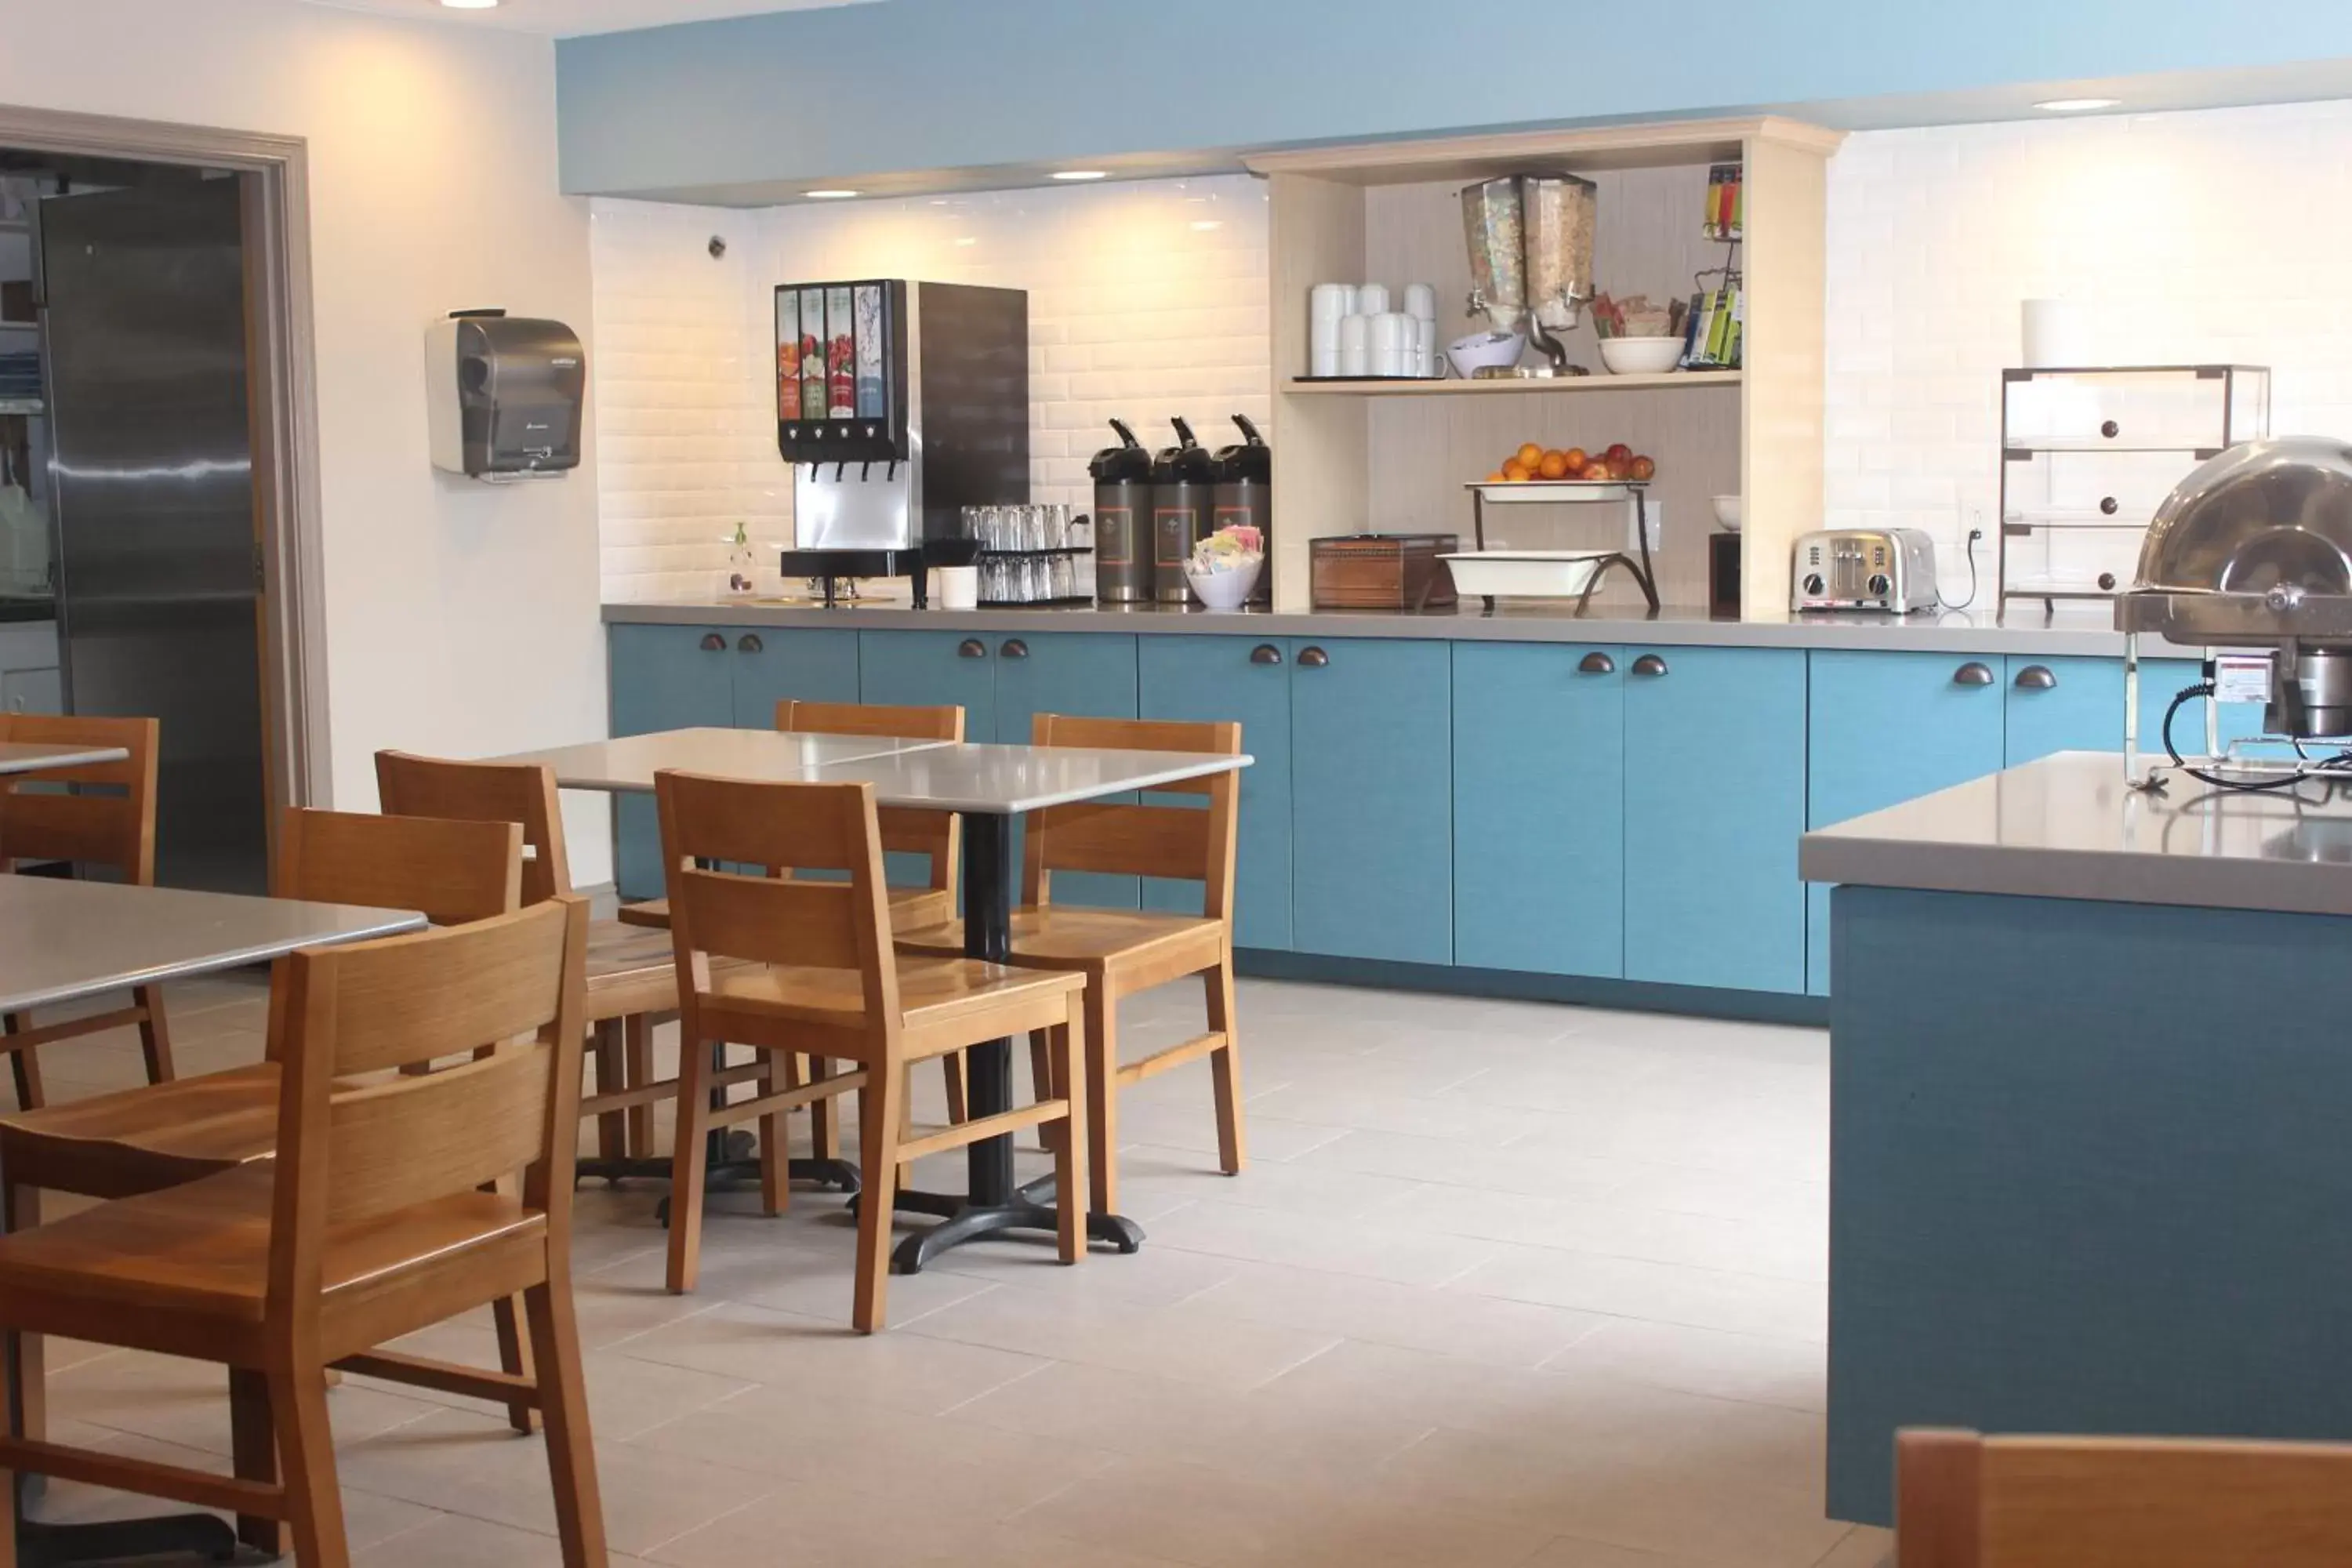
pixel 1383 572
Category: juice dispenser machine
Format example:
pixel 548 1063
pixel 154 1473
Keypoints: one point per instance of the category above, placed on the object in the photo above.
pixel 899 404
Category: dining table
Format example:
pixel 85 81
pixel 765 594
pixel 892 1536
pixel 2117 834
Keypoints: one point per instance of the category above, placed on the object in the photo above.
pixel 992 787
pixel 63 941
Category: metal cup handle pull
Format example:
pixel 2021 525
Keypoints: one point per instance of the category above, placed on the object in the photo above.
pixel 2036 677
pixel 750 642
pixel 1597 663
pixel 1649 664
pixel 971 647
pixel 1313 658
pixel 1266 653
pixel 1015 649
pixel 1972 674
pixel 713 642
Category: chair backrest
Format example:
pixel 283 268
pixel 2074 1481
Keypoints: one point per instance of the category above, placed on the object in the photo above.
pixel 1970 1501
pixel 1170 839
pixel 484 792
pixel 451 871
pixel 935 835
pixel 514 985
pixel 106 818
pixel 766 918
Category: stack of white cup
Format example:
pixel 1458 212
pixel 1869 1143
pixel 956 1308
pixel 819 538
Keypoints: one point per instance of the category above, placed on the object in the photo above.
pixel 1351 332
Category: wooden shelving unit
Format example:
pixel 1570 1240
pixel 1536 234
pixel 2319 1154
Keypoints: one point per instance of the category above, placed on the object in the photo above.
pixel 1392 457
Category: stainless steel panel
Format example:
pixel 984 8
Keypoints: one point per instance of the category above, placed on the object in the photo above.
pixel 145 345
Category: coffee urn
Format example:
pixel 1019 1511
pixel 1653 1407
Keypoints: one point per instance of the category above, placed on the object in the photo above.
pixel 1184 490
pixel 1244 497
pixel 1123 547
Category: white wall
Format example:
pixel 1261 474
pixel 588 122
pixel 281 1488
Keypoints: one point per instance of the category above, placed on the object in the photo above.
pixel 460 619
pixel 2207 236
pixel 1145 300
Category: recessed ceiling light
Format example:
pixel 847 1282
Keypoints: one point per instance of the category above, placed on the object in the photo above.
pixel 2076 105
pixel 469 4
pixel 829 196
pixel 1082 174
pixel 1206 224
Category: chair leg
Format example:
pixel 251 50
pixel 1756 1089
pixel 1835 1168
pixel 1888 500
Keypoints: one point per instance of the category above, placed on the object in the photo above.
pixel 8 1494
pixel 20 1209
pixel 877 1150
pixel 253 1440
pixel 1225 1069
pixel 1102 1026
pixel 612 1126
pixel 689 1165
pixel 514 1358
pixel 1072 1078
pixel 958 1108
pixel 637 1054
pixel 563 1396
pixel 154 1034
pixel 305 1449
pixel 1042 1082
pixel 775 1151
pixel 825 1115
pixel 25 1065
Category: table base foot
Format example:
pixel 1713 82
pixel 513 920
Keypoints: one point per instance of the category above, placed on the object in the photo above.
pixel 962 1221
pixel 1118 1229
pixel 191 1534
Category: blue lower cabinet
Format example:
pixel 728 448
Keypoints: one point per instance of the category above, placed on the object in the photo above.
pixel 2064 705
pixel 1715 803
pixel 1539 807
pixel 1209 678
pixel 772 664
pixel 1884 728
pixel 661 677
pixel 922 670
pixel 1371 798
pixel 1091 675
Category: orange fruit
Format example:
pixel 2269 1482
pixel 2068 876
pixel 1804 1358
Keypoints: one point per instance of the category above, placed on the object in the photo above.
pixel 1515 470
pixel 1576 458
pixel 1497 478
pixel 1530 456
pixel 1643 468
pixel 1554 466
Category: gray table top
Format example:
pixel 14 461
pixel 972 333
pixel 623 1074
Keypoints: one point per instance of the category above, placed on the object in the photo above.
pixel 31 756
pixel 60 940
pixel 2069 826
pixel 626 764
pixel 990 779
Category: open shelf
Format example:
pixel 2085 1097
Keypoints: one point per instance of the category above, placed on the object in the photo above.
pixel 1514 387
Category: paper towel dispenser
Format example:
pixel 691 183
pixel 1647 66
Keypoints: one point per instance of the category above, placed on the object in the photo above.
pixel 504 395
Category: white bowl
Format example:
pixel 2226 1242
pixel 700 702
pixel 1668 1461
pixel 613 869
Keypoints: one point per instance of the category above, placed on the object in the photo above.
pixel 1483 350
pixel 1727 511
pixel 1223 590
pixel 1641 356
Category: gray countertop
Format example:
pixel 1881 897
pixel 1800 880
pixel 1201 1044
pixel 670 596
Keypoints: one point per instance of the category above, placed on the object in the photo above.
pixel 2069 826
pixel 2085 629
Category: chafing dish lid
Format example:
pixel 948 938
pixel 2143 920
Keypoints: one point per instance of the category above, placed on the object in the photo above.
pixel 2262 514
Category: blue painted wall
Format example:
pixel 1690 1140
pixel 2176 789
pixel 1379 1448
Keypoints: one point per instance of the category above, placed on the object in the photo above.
pixel 942 84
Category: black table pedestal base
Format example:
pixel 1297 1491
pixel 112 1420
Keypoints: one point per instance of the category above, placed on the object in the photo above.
pixel 736 1169
pixel 42 1545
pixel 1032 1209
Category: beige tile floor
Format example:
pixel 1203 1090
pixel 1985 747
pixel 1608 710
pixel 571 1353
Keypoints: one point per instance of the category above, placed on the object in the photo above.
pixel 1504 1284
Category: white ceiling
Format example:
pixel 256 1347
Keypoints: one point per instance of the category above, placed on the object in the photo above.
pixel 568 18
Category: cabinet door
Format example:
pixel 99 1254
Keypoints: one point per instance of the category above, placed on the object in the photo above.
pixel 1371 799
pixel 1091 675
pixel 1715 803
pixel 1539 807
pixel 772 664
pixel 928 668
pixel 2064 705
pixel 1885 728
pixel 1207 678
pixel 661 677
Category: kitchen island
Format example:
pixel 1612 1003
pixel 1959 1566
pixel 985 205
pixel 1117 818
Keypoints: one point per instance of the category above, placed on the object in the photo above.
pixel 2087 1162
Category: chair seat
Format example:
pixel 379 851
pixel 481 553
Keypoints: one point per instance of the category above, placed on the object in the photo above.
pixel 631 970
pixel 944 1000
pixel 1105 943
pixel 135 1140
pixel 910 908
pixel 203 1247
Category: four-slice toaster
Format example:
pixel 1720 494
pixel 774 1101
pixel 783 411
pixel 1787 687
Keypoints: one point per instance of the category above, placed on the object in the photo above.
pixel 1890 569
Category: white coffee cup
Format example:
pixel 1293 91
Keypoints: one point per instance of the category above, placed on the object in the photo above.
pixel 1354 345
pixel 1421 301
pixel 1424 347
pixel 1329 301
pixel 1371 299
pixel 1390 342
pixel 956 587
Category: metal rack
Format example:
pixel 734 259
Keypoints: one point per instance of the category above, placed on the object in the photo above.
pixel 2103 500
pixel 1539 493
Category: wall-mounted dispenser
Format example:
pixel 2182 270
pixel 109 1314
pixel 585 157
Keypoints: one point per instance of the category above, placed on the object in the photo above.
pixel 504 395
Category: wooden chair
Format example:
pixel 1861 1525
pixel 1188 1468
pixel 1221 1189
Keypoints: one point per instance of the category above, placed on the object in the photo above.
pixel 146 1140
pixel 1124 952
pixel 1969 1501
pixel 377 1218
pixel 632 984
pixel 820 978
pixel 106 821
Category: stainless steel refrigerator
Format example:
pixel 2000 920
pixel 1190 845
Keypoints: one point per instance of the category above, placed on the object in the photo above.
pixel 159 601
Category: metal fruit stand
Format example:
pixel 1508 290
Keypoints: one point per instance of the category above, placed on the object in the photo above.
pixel 1575 492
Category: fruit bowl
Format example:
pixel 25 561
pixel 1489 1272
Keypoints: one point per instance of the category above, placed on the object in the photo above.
pixel 1727 513
pixel 1641 356
pixel 1485 351
pixel 1226 590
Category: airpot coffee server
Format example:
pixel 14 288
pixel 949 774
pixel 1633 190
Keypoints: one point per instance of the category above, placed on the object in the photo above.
pixel 1123 549
pixel 899 404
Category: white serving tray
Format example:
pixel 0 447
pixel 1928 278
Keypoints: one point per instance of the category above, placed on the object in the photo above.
pixel 1525 574
pixel 1499 492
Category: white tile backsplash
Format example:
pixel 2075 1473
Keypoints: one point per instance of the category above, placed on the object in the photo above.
pixel 1145 300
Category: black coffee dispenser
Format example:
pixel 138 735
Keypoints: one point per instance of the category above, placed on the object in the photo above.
pixel 1123 547
pixel 1183 490
pixel 1244 497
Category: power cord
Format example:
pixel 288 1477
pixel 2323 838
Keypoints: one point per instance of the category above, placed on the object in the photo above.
pixel 1975 534
pixel 2339 765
